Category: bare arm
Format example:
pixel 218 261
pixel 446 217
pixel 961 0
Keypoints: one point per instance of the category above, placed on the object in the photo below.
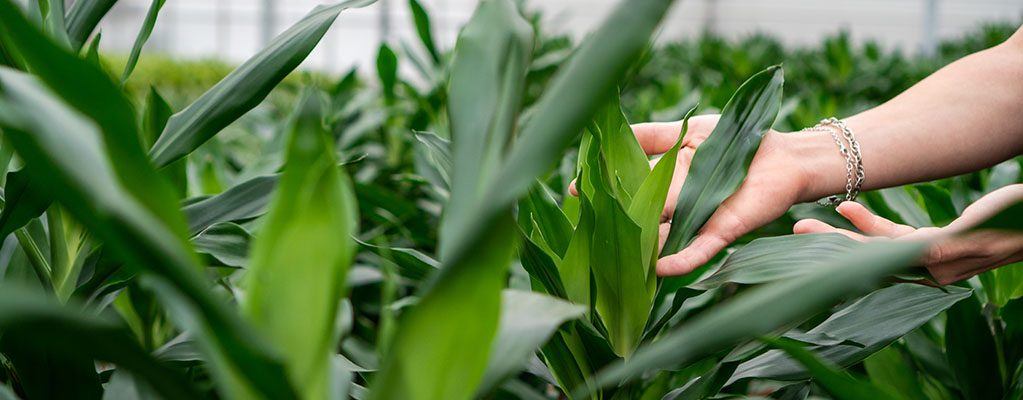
pixel 965 117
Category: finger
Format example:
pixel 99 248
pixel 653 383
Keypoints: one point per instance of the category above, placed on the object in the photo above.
pixel 572 190
pixel 658 137
pixel 662 236
pixel 814 226
pixel 703 248
pixel 871 224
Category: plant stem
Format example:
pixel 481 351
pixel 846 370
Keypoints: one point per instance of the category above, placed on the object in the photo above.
pixel 35 257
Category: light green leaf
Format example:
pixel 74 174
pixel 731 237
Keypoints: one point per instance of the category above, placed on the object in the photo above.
pixel 719 165
pixel 300 256
pixel 246 86
pixel 647 206
pixel 620 148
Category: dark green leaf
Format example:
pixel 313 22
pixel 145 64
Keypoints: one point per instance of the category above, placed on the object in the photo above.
pixel 66 150
pixel 246 86
pixel 777 258
pixel 242 201
pixel 387 70
pixel 840 384
pixel 938 203
pixel 875 321
pixel 541 267
pixel 971 350
pixel 422 21
pixel 140 40
pixel 227 242
pixel 719 165
pixel 766 308
pixel 1010 218
pixel 888 368
pixel 82 19
pixel 22 203
pixel 412 264
pixel 705 386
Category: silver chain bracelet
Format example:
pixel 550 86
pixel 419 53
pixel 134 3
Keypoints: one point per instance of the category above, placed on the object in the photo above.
pixel 853 159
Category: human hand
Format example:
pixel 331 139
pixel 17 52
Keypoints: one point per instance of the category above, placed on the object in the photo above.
pixel 774 183
pixel 953 256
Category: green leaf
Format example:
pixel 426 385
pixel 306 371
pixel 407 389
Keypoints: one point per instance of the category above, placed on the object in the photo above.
pixel 707 385
pixel 778 258
pixel 92 53
pixel 82 19
pixel 938 203
pixel 527 320
pixel 552 222
pixel 422 22
pixel 22 202
pixel 42 324
pixel 766 308
pixel 565 108
pixel 972 352
pixel 431 360
pixel 648 205
pixel 541 267
pixel 140 40
pixel 875 321
pixel 903 204
pixel 302 252
pixel 89 89
pixel 412 263
pixel 430 356
pixel 575 266
pixel 227 242
pixel 719 165
pixel 622 294
pixel 387 70
pixel 887 368
pixel 842 385
pixel 246 86
pixel 242 201
pixel 439 151
pixel 620 148
pixel 65 149
pixel 1011 219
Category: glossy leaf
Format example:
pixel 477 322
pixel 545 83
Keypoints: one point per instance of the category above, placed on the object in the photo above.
pixel 938 203
pixel 766 308
pixel 719 165
pixel 902 203
pixel 541 267
pixel 778 258
pixel 620 148
pixel 301 255
pixel 227 242
pixel 527 320
pixel 245 200
pixel 246 86
pixel 900 308
pixel 82 19
pixel 840 384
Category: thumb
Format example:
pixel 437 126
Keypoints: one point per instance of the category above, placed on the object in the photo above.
pixel 699 252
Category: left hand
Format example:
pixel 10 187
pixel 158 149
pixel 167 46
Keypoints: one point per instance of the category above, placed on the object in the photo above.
pixel 953 256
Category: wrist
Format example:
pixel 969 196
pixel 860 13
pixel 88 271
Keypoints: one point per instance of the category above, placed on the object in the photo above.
pixel 816 162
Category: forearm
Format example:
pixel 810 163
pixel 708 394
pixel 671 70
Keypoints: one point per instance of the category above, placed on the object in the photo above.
pixel 965 117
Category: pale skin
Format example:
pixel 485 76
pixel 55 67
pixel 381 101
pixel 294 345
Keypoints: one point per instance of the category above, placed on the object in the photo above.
pixel 963 118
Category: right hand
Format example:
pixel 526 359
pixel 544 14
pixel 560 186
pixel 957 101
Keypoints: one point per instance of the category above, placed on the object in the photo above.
pixel 774 183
